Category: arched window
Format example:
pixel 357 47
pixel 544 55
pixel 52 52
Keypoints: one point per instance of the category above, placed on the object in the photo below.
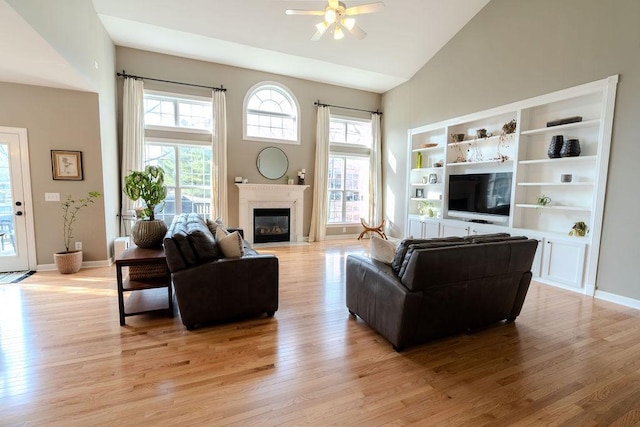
pixel 271 114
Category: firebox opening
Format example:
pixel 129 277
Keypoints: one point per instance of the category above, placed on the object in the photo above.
pixel 271 225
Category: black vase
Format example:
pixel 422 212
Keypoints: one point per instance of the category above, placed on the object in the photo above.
pixel 555 147
pixel 570 148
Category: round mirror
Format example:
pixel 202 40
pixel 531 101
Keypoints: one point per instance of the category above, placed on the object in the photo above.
pixel 272 163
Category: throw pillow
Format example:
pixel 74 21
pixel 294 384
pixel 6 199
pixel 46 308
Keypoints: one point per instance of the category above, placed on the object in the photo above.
pixel 382 250
pixel 230 244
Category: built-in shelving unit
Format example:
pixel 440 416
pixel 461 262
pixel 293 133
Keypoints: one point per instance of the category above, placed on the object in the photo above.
pixel 476 143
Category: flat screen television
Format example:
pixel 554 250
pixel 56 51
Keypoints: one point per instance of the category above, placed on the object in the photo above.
pixel 480 196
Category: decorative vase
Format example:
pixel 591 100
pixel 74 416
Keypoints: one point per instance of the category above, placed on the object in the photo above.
pixel 555 146
pixel 570 148
pixel 68 262
pixel 148 234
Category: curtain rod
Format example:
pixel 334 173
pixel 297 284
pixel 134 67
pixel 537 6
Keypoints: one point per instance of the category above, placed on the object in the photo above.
pixel 131 76
pixel 320 104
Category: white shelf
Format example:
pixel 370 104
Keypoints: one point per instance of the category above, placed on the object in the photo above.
pixel 426 169
pixel 555 208
pixel 484 162
pixel 427 149
pixel 422 199
pixel 558 160
pixel 480 141
pixel 559 184
pixel 560 128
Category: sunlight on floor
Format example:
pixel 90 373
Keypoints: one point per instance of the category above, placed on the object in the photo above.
pixel 13 379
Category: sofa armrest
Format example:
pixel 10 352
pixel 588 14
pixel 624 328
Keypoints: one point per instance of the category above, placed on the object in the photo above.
pixel 227 288
pixel 375 294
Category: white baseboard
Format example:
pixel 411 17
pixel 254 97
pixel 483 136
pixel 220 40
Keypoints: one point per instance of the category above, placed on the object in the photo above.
pixel 617 299
pixel 85 264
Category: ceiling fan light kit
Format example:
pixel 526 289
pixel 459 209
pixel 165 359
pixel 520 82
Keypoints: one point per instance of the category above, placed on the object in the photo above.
pixel 338 18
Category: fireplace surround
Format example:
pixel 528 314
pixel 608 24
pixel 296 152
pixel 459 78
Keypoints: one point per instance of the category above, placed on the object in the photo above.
pixel 271 196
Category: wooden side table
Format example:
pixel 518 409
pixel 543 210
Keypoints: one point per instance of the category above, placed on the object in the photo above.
pixel 151 295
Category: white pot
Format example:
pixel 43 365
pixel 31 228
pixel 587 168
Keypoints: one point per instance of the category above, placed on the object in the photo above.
pixel 68 262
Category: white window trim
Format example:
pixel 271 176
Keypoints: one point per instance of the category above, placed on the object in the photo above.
pixel 174 95
pixel 248 95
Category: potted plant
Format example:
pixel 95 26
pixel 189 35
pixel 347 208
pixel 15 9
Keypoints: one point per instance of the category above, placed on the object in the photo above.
pixel 579 229
pixel 147 185
pixel 70 261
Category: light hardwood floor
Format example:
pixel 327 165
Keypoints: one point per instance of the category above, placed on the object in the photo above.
pixel 64 360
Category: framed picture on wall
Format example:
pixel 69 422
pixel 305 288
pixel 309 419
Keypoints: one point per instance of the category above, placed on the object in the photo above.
pixel 66 165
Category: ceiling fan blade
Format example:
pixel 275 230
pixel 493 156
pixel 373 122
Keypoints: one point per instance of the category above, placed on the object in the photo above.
pixel 316 36
pixel 333 4
pixel 304 12
pixel 365 8
pixel 357 32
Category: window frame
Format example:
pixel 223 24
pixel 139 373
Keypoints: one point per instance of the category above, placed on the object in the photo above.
pixel 176 143
pixel 287 93
pixel 347 150
pixel 177 97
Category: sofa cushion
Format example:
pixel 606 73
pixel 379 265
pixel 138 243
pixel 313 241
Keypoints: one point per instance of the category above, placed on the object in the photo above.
pixel 427 245
pixel 230 244
pixel 382 250
pixel 403 247
pixel 203 244
pixel 496 236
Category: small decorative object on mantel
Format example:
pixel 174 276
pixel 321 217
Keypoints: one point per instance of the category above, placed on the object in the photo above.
pixel 301 174
pixel 555 146
pixel 481 133
pixel 564 121
pixel 238 180
pixel 570 148
pixel 579 229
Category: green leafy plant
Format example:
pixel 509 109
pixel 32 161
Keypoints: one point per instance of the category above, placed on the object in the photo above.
pixel 543 200
pixel 579 228
pixel 70 209
pixel 147 185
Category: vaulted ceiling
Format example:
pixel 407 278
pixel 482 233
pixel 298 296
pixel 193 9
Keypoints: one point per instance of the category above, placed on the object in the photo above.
pixel 257 34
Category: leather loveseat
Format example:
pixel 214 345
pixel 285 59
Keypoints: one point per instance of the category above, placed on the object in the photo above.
pixel 440 287
pixel 210 287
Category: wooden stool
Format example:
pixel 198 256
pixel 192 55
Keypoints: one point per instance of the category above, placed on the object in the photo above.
pixel 376 229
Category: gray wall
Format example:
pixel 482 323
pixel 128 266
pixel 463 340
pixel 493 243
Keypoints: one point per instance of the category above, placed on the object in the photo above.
pixel 58 119
pixel 242 154
pixel 516 49
pixel 74 30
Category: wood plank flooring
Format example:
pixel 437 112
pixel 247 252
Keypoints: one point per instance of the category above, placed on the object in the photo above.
pixel 64 360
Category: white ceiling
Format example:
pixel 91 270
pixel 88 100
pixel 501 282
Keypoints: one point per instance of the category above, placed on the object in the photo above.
pixel 254 34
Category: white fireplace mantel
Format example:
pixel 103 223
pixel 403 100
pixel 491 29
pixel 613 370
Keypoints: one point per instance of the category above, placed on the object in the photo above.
pixel 271 196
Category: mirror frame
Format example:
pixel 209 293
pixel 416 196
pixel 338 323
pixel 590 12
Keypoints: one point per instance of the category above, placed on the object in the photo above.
pixel 267 170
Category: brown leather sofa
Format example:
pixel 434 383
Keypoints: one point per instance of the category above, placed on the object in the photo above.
pixel 440 287
pixel 212 288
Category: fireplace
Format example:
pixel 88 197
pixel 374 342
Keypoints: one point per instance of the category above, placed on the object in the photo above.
pixel 271 225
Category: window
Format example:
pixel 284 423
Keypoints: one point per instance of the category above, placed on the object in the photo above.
pixel 166 111
pixel 186 159
pixel 271 114
pixel 348 177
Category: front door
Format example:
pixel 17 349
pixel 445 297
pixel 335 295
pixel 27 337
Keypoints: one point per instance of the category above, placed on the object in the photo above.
pixel 17 251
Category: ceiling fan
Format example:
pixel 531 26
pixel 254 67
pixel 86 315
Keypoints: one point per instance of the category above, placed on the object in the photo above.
pixel 338 18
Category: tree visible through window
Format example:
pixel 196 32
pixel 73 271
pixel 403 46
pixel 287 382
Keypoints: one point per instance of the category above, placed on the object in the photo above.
pixel 348 177
pixel 185 157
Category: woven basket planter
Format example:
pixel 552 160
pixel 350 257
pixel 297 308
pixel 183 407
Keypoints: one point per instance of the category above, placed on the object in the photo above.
pixel 68 262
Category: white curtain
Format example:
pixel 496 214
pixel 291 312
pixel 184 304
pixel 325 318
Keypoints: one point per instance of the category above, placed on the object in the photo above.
pixel 375 173
pixel 319 210
pixel 132 133
pixel 220 207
